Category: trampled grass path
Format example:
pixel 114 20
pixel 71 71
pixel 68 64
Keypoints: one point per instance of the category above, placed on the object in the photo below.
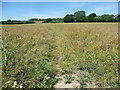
pixel 58 34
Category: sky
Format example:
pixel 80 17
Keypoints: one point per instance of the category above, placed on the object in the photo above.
pixel 27 10
pixel 60 0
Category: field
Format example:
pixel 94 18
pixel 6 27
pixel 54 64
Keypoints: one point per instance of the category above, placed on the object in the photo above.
pixel 42 55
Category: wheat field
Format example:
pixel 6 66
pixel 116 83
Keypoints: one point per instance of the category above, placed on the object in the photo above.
pixel 34 55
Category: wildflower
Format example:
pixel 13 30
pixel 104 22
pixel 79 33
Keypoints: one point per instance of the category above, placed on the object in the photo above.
pixel 13 86
pixel 21 86
pixel 7 82
pixel 15 83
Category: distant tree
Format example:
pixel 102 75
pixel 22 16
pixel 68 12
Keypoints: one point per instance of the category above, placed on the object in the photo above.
pixel 79 16
pixel 29 22
pixel 69 18
pixel 81 19
pixel 48 20
pixel 79 13
pixel 92 15
pixel 9 20
pixel 34 19
pixel 98 19
pixel 15 21
pixel 106 17
pixel 41 19
pixel 118 16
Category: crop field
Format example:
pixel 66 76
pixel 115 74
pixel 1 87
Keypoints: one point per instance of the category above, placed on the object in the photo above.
pixel 43 55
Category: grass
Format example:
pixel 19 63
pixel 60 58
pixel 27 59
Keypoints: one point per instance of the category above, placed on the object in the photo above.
pixel 68 79
pixel 31 53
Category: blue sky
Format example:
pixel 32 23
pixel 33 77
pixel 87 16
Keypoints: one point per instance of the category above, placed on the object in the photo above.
pixel 27 10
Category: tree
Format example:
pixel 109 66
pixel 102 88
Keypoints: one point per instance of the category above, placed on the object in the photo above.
pixel 33 19
pixel 81 19
pixel 92 15
pixel 69 18
pixel 79 16
pixel 48 20
pixel 107 17
pixel 9 20
pixel 118 16
pixel 98 19
pixel 41 19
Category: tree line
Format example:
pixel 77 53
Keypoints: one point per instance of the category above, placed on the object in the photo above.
pixel 16 22
pixel 80 16
pixel 48 20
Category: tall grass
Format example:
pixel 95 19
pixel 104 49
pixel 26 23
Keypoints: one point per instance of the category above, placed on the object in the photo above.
pixel 27 56
pixel 31 53
pixel 93 48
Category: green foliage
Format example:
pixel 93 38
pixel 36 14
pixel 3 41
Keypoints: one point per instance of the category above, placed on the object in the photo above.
pixel 66 72
pixel 92 15
pixel 57 21
pixel 106 17
pixel 82 48
pixel 25 64
pixel 79 16
pixel 68 78
pixel 80 19
pixel 17 22
pixel 9 20
pixel 29 22
pixel 31 54
pixel 33 19
pixel 82 82
pixel 41 19
pixel 48 20
pixel 69 18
